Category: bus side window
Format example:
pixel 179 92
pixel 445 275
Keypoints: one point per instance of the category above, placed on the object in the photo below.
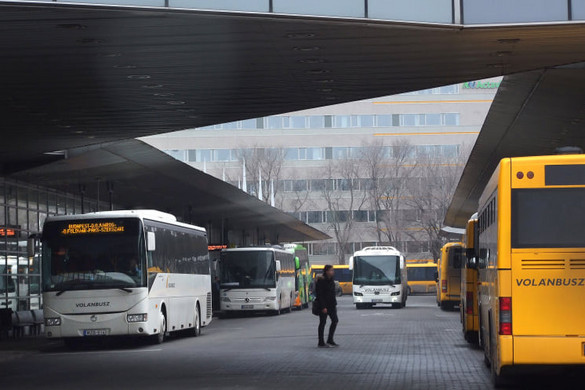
pixel 483 253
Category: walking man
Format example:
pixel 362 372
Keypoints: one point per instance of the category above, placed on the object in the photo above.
pixel 325 291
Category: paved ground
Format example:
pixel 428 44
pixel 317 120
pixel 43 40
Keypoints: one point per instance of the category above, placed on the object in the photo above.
pixel 419 347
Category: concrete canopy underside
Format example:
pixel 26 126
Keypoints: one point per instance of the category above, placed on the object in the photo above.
pixel 144 177
pixel 532 114
pixel 76 75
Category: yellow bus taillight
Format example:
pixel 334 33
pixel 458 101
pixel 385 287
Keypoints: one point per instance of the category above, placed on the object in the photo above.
pixel 505 316
pixel 444 285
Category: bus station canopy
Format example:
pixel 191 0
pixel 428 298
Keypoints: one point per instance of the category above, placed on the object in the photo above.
pixel 533 113
pixel 80 74
pixel 144 177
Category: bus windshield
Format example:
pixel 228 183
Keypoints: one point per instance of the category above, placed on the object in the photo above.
pixel 248 269
pixel 93 254
pixel 421 274
pixel 548 218
pixel 376 270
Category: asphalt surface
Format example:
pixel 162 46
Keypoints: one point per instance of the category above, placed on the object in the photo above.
pixel 418 347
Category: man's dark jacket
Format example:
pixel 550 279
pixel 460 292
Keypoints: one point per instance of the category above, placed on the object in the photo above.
pixel 325 289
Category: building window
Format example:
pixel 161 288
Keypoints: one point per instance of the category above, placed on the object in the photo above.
pixel 298 122
pixel 287 185
pixel 342 121
pixel 314 217
pixel 384 120
pixel 451 119
pixel 315 154
pixel 328 121
pixel 249 124
pixel 433 119
pixel 317 122
pixel 317 185
pixel 291 154
pixel 299 185
pixel 178 154
pixel 223 155
pixel 360 215
pixel 274 122
pixel 339 153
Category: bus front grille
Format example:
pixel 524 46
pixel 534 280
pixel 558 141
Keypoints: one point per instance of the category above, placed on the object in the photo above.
pixel 577 263
pixel 543 264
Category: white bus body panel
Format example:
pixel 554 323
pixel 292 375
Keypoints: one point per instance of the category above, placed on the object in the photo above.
pixel 107 310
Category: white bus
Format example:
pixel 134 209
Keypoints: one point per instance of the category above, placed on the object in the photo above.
pixel 136 272
pixel 379 276
pixel 257 279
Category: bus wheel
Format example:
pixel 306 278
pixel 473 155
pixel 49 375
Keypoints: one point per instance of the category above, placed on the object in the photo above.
pixel 160 337
pixel 502 379
pixel 360 306
pixel 196 330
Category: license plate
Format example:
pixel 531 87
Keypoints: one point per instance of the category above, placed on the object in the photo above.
pixel 377 300
pixel 247 306
pixel 96 332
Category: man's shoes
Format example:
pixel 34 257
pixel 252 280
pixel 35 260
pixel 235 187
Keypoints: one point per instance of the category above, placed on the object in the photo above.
pixel 324 345
pixel 332 344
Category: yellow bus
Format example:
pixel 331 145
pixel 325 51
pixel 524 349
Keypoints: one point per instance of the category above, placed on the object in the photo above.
pixel 345 277
pixel 468 307
pixel 421 277
pixel 532 263
pixel 449 275
pixel 341 272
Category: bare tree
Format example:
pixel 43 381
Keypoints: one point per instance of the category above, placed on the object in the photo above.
pixel 343 196
pixel 439 176
pixel 389 171
pixel 265 164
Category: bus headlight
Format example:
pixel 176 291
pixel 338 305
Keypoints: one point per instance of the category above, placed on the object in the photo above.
pixel 226 299
pixel 53 321
pixel 395 293
pixel 143 317
pixel 358 294
pixel 272 298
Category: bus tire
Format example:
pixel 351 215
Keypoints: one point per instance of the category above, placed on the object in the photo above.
pixel 502 379
pixel 159 338
pixel 360 306
pixel 196 330
pixel 472 337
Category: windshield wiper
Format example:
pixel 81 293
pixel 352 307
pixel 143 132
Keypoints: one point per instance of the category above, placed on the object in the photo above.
pixel 60 292
pixel 125 289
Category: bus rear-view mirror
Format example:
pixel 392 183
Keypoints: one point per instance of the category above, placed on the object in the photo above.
pixel 351 263
pixel 278 266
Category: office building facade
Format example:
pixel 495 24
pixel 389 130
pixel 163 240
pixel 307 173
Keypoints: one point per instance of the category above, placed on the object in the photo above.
pixel 296 160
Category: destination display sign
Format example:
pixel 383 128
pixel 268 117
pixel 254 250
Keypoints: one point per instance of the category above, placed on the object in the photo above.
pixel 92 228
